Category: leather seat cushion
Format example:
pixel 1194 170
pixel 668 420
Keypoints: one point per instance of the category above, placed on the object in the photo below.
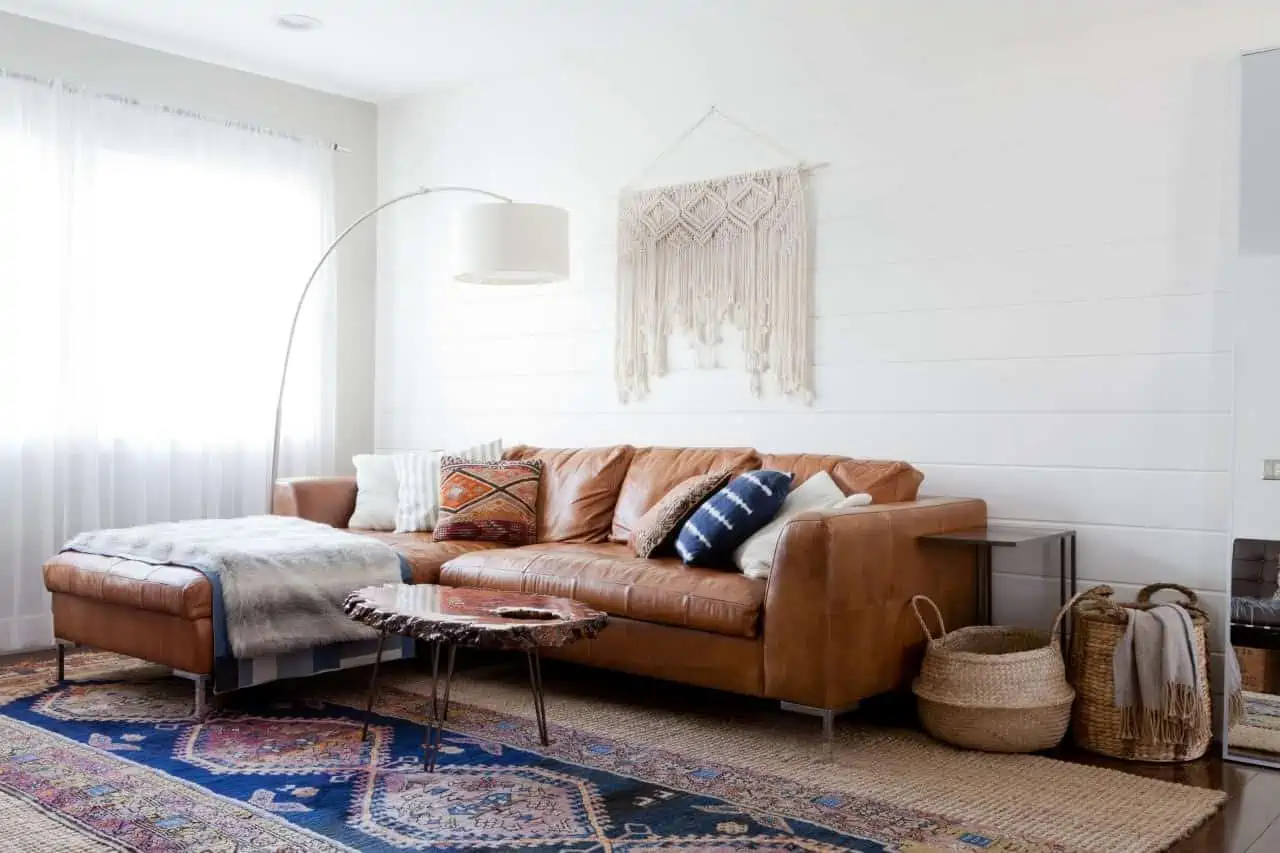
pixel 611 578
pixel 655 471
pixel 885 480
pixel 424 554
pixel 578 491
pixel 173 590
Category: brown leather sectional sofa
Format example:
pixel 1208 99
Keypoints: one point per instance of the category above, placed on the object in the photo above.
pixel 829 627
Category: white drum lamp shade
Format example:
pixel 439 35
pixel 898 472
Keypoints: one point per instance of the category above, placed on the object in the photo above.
pixel 511 243
pixel 504 243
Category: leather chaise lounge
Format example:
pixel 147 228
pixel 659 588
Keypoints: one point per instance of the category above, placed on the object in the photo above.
pixel 829 627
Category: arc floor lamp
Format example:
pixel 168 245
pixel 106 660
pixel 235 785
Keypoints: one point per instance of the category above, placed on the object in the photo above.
pixel 500 242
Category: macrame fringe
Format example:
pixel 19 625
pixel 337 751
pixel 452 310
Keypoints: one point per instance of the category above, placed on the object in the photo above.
pixel 693 256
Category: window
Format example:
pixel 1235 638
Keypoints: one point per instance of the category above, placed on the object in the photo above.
pixel 150 262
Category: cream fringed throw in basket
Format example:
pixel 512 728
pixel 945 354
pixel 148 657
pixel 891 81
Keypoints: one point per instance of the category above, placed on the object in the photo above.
pixel 1156 666
pixel 691 256
pixel 1139 698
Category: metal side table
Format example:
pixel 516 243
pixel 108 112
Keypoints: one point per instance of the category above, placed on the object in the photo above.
pixel 985 539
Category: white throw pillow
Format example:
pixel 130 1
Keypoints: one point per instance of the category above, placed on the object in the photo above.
pixel 418 475
pixel 855 499
pixel 377 492
pixel 755 556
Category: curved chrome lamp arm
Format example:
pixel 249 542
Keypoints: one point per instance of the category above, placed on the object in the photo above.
pixel 302 298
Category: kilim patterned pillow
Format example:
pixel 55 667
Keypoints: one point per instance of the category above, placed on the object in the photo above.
pixel 656 529
pixel 489 501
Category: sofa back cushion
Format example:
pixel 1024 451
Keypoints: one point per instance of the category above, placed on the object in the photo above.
pixel 579 489
pixel 655 471
pixel 885 481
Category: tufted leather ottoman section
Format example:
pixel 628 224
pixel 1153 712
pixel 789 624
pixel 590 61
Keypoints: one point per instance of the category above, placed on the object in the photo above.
pixel 157 613
pixel 174 590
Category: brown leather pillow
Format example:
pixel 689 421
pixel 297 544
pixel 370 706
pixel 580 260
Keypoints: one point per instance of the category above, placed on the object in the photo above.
pixel 658 527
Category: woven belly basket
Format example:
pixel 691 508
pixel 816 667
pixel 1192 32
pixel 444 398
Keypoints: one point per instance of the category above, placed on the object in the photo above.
pixel 1099 626
pixel 992 688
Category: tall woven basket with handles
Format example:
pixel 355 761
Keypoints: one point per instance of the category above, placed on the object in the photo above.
pixel 992 688
pixel 1100 624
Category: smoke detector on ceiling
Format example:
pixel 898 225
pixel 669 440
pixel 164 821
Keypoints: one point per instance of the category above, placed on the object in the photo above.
pixel 298 23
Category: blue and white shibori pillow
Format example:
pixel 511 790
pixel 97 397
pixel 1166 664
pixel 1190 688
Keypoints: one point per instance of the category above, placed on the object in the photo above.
pixel 726 519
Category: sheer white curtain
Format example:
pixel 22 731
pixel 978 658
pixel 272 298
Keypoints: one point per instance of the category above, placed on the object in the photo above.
pixel 149 264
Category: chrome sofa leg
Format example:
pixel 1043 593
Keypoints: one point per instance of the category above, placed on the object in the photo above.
pixel 201 683
pixel 827 715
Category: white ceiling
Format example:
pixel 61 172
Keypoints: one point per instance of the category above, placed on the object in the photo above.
pixel 375 49
pixel 382 49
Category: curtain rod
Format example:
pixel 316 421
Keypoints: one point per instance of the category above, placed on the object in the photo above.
pixel 174 111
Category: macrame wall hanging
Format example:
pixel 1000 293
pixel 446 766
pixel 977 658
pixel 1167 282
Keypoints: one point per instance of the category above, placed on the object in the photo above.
pixel 694 256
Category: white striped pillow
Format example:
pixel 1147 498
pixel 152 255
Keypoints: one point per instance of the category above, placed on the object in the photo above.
pixel 418 475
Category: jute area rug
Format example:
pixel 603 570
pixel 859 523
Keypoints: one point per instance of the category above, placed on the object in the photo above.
pixel 1054 805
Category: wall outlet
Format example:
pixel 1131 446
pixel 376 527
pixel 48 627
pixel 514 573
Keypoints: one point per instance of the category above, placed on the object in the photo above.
pixel 1271 469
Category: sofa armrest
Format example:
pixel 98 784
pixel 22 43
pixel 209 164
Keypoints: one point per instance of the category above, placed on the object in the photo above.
pixel 329 500
pixel 838 626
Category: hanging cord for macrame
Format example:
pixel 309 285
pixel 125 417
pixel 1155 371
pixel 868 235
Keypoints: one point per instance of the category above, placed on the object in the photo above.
pixel 713 110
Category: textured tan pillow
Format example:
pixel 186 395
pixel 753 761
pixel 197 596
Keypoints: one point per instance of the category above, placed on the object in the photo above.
pixel 658 527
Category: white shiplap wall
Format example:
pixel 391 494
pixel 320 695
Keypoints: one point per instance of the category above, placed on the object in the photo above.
pixel 1018 250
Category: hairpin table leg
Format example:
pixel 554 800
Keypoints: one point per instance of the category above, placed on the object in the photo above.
pixel 373 686
pixel 448 682
pixel 439 710
pixel 539 697
pixel 431 706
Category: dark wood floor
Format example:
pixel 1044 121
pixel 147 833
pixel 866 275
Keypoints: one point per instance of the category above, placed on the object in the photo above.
pixel 1249 822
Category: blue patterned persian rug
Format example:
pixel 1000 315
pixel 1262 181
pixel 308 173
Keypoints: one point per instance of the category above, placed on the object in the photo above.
pixel 120 765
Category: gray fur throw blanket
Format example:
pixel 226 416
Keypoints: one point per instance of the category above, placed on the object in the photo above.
pixel 278 582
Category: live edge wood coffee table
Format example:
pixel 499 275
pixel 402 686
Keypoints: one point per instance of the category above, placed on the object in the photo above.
pixel 448 617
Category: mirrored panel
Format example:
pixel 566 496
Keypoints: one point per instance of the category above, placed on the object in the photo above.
pixel 1255 636
pixel 1253 275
